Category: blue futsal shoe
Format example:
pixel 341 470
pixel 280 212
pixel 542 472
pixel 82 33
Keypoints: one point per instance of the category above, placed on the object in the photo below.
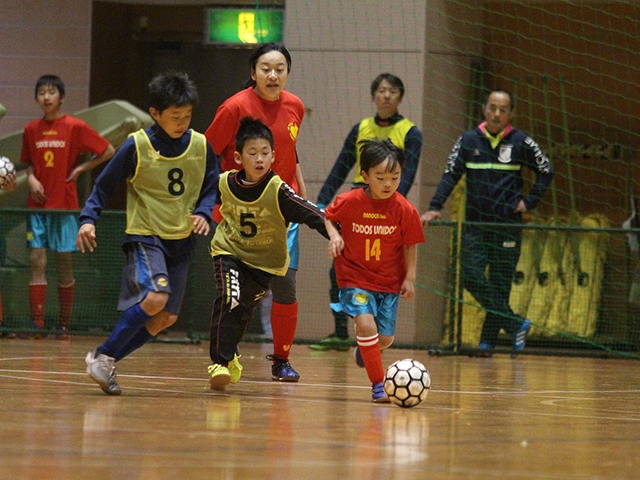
pixel 485 350
pixel 378 394
pixel 282 370
pixel 520 335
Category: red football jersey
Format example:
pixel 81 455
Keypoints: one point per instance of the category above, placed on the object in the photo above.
pixel 53 149
pixel 282 116
pixel 375 233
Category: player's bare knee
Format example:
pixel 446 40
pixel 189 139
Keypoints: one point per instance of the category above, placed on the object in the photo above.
pixel 365 326
pixel 168 319
pixel 160 322
pixel 385 341
pixel 154 302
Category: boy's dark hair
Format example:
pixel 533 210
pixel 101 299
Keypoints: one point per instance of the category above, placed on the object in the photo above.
pixel 266 48
pixel 172 89
pixel 389 77
pixel 374 151
pixel 53 80
pixel 500 90
pixel 251 129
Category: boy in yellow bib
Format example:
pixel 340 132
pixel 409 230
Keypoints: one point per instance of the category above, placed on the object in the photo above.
pixel 249 246
pixel 171 174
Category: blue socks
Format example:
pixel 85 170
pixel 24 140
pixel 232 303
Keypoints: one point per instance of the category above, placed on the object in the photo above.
pixel 138 340
pixel 127 328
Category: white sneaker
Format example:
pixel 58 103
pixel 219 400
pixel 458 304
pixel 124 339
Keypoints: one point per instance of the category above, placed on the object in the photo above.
pixel 100 368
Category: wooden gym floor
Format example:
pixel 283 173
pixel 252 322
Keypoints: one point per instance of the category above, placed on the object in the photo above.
pixel 527 418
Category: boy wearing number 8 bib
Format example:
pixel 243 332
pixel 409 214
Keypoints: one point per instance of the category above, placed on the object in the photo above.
pixel 373 235
pixel 172 175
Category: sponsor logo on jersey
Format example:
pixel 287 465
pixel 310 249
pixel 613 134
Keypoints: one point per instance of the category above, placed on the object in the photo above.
pixel 373 229
pixel 374 215
pixel 51 144
pixel 505 153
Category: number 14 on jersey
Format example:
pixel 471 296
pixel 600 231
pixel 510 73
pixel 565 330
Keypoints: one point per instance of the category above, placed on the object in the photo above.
pixel 372 250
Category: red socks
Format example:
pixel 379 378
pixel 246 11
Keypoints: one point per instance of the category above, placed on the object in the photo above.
pixel 284 320
pixel 372 358
pixel 37 296
pixel 65 299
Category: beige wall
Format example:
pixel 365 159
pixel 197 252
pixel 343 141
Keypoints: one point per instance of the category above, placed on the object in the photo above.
pixel 40 38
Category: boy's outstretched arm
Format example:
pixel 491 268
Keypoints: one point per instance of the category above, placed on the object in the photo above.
pixel 122 166
pixel 117 171
pixel 336 242
pixel 296 209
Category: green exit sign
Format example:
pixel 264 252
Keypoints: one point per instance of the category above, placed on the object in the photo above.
pixel 244 26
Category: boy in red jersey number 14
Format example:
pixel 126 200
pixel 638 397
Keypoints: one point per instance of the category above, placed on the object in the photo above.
pixel 374 232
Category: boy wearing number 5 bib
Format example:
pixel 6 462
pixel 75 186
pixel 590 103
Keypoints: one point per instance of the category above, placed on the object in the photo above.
pixel 249 247
pixel 172 175
pixel 373 235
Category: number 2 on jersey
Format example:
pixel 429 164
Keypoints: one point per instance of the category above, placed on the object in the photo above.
pixel 48 158
pixel 372 251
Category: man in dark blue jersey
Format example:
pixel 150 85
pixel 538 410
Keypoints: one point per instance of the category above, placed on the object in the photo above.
pixel 492 156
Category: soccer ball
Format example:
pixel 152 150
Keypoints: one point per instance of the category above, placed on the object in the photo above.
pixel 407 383
pixel 6 167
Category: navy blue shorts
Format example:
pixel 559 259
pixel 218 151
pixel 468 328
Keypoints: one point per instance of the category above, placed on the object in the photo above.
pixel 149 269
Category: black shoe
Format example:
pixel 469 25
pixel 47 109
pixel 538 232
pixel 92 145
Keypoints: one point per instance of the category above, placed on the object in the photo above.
pixel 63 333
pixel 36 335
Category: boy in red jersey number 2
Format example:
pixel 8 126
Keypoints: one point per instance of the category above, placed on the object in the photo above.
pixel 51 147
pixel 373 235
